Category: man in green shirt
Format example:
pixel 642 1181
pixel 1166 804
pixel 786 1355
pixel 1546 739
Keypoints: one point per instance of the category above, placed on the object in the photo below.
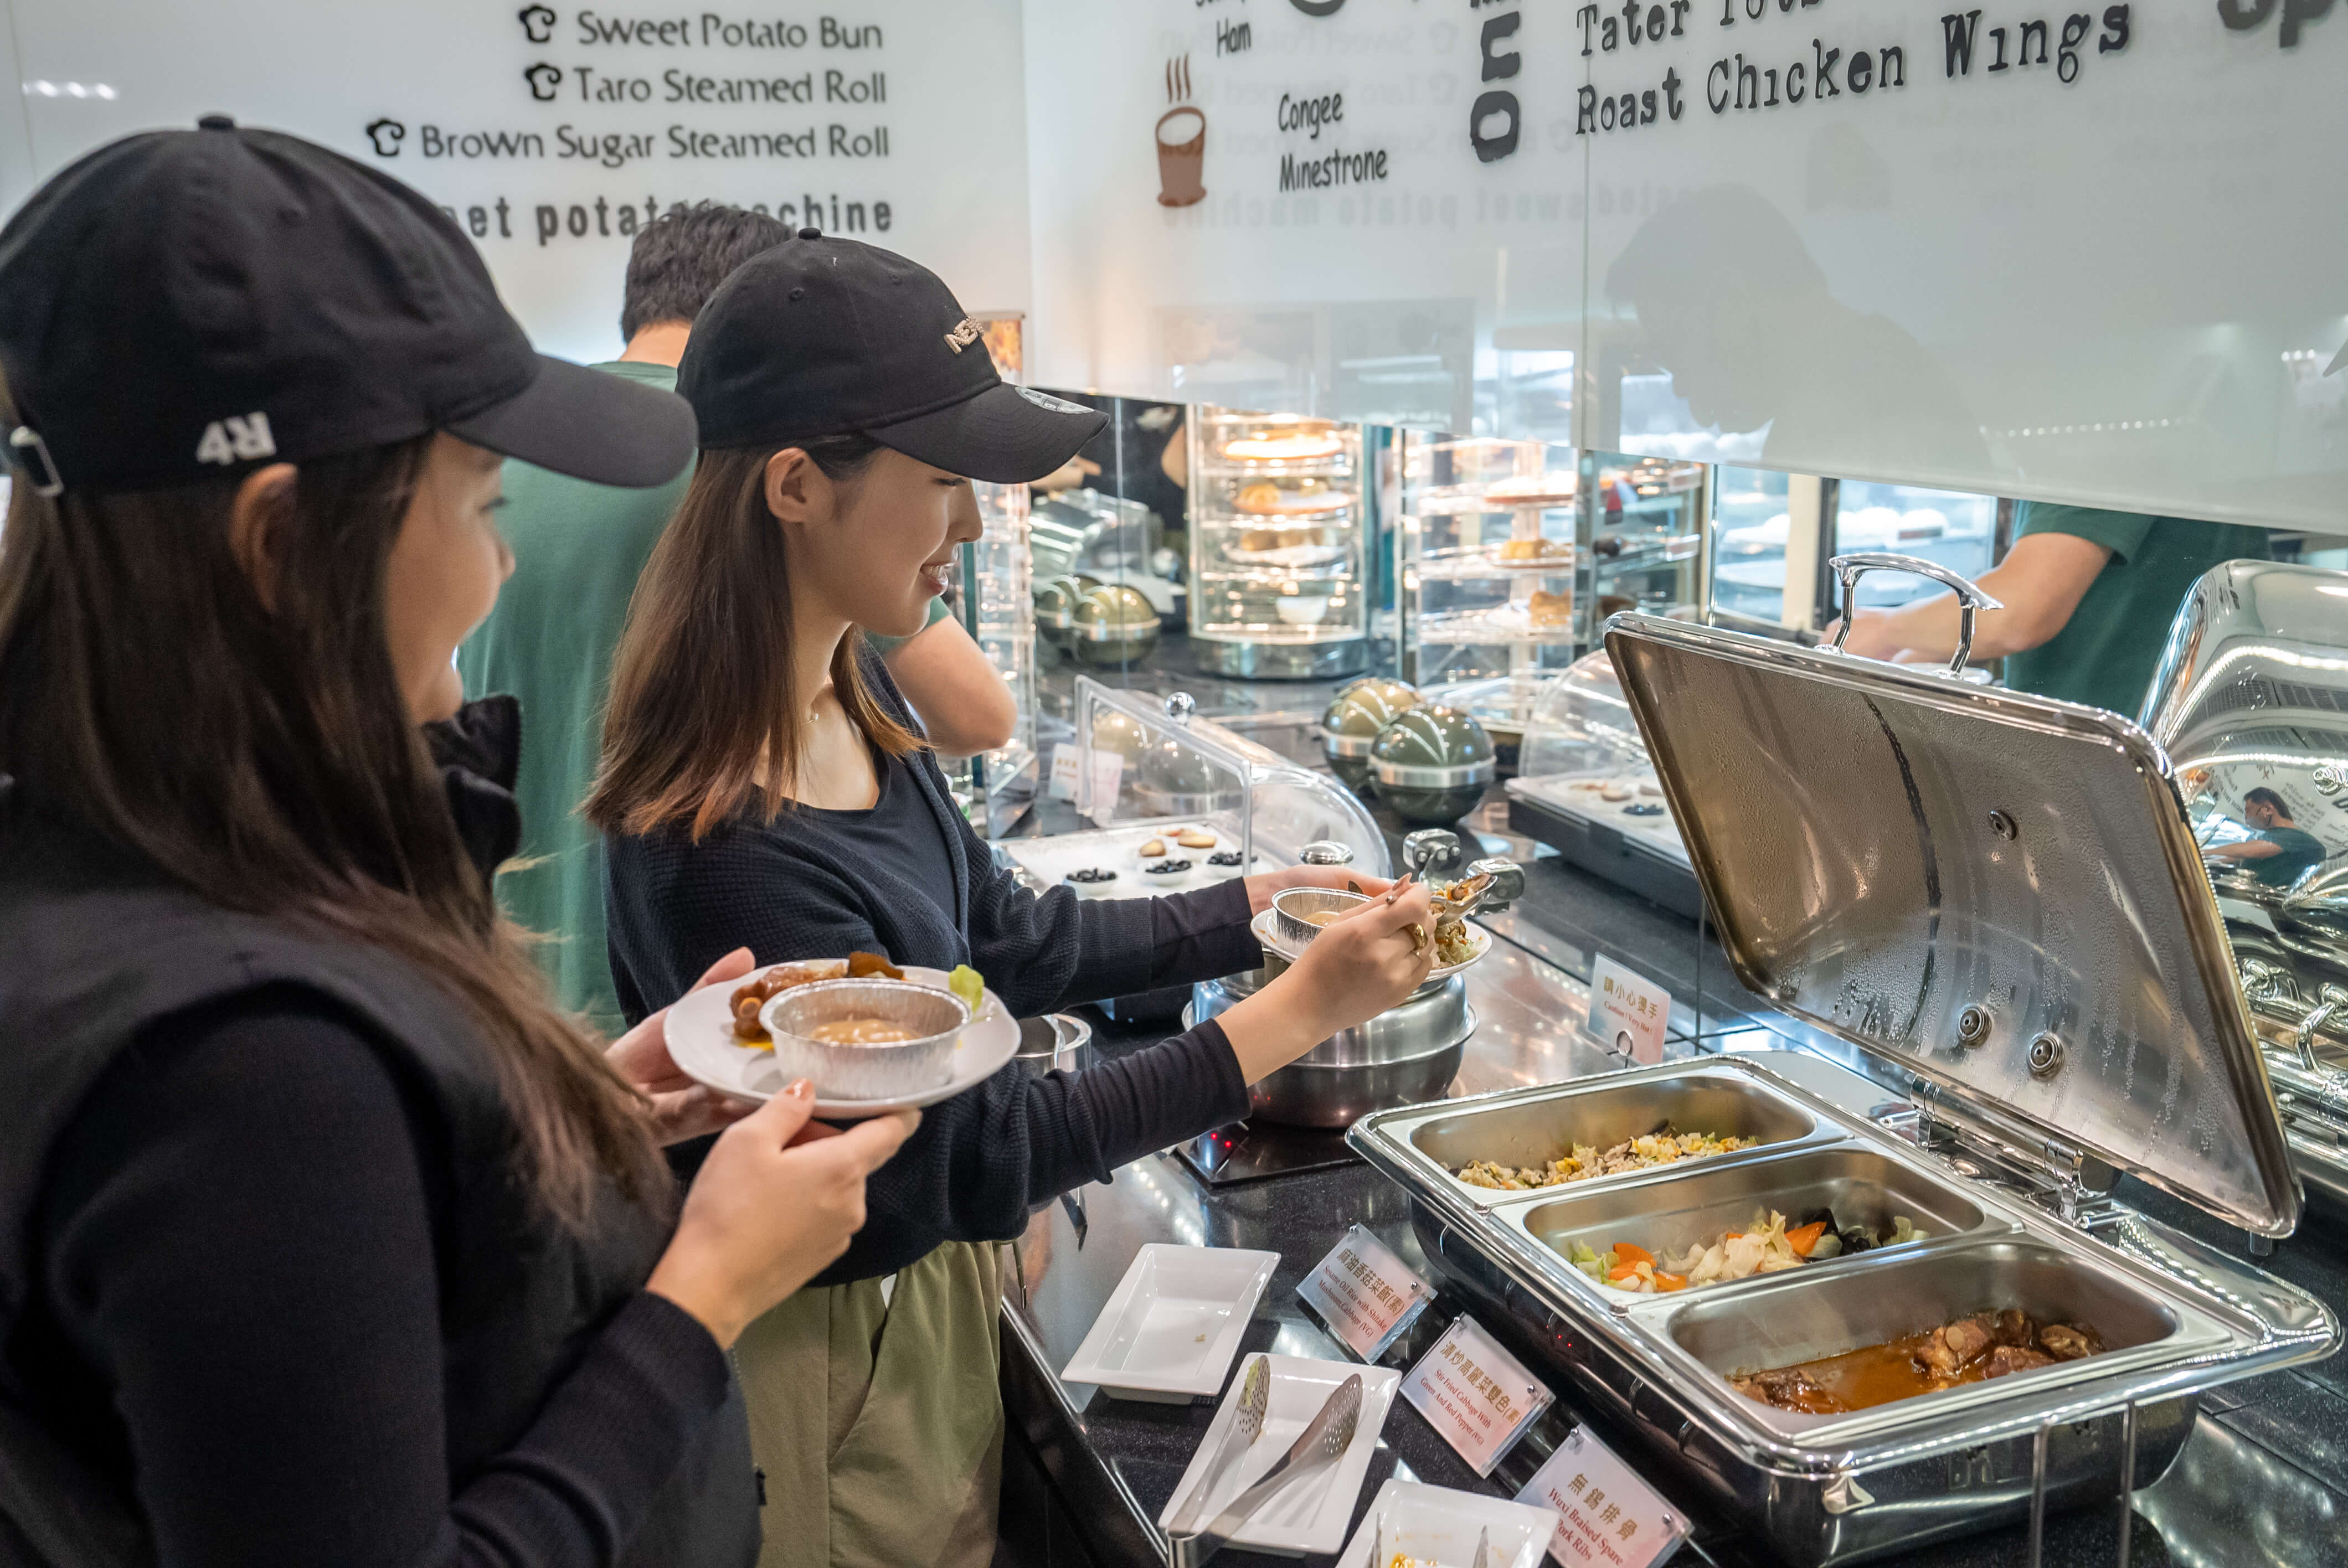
pixel 578 549
pixel 2088 595
pixel 2279 850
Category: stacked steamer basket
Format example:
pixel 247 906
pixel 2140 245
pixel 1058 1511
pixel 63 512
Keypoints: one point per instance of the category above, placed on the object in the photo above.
pixel 1997 897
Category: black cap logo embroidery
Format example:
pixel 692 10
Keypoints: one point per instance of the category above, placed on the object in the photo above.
pixel 234 440
pixel 966 333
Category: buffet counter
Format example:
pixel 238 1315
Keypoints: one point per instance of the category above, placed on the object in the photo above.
pixel 1087 1474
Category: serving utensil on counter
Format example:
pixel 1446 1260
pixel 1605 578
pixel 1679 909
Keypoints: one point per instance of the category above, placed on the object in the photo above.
pixel 1483 1549
pixel 1247 1425
pixel 1323 1440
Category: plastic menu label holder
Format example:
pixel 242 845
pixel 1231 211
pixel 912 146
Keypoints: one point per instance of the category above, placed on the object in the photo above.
pixel 1606 1516
pixel 1628 1015
pixel 1366 1294
pixel 1066 761
pixel 1480 1398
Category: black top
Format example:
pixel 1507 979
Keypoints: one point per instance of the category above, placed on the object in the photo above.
pixel 808 886
pixel 271 1290
pixel 240 1301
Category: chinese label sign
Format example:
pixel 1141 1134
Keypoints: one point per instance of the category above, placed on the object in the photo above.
pixel 1628 1015
pixel 1605 1514
pixel 1366 1294
pixel 1480 1398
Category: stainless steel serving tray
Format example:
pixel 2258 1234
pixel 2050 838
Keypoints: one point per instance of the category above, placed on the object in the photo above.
pixel 1523 1127
pixel 2179 1318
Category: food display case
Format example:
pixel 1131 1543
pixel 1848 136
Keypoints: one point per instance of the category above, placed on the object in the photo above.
pixel 1998 899
pixel 1179 802
pixel 1279 526
pixel 997 608
pixel 1585 788
pixel 1484 557
pixel 2252 695
pixel 1646 522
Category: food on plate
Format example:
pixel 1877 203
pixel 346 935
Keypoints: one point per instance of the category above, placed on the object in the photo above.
pixel 1259 496
pixel 1153 849
pixel 1643 809
pixel 1764 1247
pixel 1085 875
pixel 1535 550
pixel 1660 1147
pixel 753 994
pixel 1195 839
pixel 1166 868
pixel 1226 857
pixel 864 966
pixel 1453 943
pixel 1649 787
pixel 969 985
pixel 1615 789
pixel 1549 608
pixel 1969 1350
pixel 1283 447
pixel 1323 917
pixel 1262 539
pixel 860 1032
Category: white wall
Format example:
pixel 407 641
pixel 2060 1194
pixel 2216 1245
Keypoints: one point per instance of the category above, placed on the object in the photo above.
pixel 952 175
pixel 2121 288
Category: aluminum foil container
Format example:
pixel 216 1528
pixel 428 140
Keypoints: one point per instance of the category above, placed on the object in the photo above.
pixel 1290 906
pixel 866 1071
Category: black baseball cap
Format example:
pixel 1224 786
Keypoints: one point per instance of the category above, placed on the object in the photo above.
pixel 822 336
pixel 180 304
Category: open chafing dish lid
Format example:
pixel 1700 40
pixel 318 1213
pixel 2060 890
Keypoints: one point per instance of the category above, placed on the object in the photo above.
pixel 1884 849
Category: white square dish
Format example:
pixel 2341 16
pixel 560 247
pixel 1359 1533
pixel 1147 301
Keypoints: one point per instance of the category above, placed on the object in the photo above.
pixel 1437 1525
pixel 1173 1323
pixel 1311 1516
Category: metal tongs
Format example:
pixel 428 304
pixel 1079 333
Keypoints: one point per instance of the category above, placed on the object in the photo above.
pixel 1322 1442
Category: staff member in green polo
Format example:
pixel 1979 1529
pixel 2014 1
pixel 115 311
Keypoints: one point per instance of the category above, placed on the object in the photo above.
pixel 578 550
pixel 2088 597
pixel 2279 850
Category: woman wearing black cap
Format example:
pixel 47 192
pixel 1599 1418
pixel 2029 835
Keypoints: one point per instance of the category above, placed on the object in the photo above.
pixel 762 783
pixel 323 1238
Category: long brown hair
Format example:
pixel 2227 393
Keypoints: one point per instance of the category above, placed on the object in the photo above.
pixel 264 758
pixel 705 693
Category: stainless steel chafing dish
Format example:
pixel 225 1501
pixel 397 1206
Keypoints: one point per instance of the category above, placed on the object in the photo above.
pixel 2252 696
pixel 1999 896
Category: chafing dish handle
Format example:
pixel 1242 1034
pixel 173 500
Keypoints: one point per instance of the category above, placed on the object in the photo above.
pixel 2330 1001
pixel 1970 600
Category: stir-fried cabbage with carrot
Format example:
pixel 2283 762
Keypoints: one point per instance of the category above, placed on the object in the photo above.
pixel 1763 1246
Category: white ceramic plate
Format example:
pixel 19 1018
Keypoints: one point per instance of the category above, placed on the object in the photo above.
pixel 1312 1516
pixel 1174 1322
pixel 1435 1525
pixel 700 1033
pixel 1274 942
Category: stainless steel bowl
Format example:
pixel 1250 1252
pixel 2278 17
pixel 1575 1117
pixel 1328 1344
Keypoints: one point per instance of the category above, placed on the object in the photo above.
pixel 1057 1042
pixel 1406 1055
pixel 1292 906
pixel 866 1071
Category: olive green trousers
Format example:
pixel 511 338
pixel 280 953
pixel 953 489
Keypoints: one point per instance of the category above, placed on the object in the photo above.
pixel 878 1426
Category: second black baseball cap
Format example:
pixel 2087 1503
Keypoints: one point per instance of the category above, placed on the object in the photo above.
pixel 184 303
pixel 821 337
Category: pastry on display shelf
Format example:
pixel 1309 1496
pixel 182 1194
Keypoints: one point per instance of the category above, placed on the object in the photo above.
pixel 1265 499
pixel 1535 550
pixel 1284 446
pixel 1550 609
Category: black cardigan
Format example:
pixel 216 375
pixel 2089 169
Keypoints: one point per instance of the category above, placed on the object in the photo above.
pixel 793 889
